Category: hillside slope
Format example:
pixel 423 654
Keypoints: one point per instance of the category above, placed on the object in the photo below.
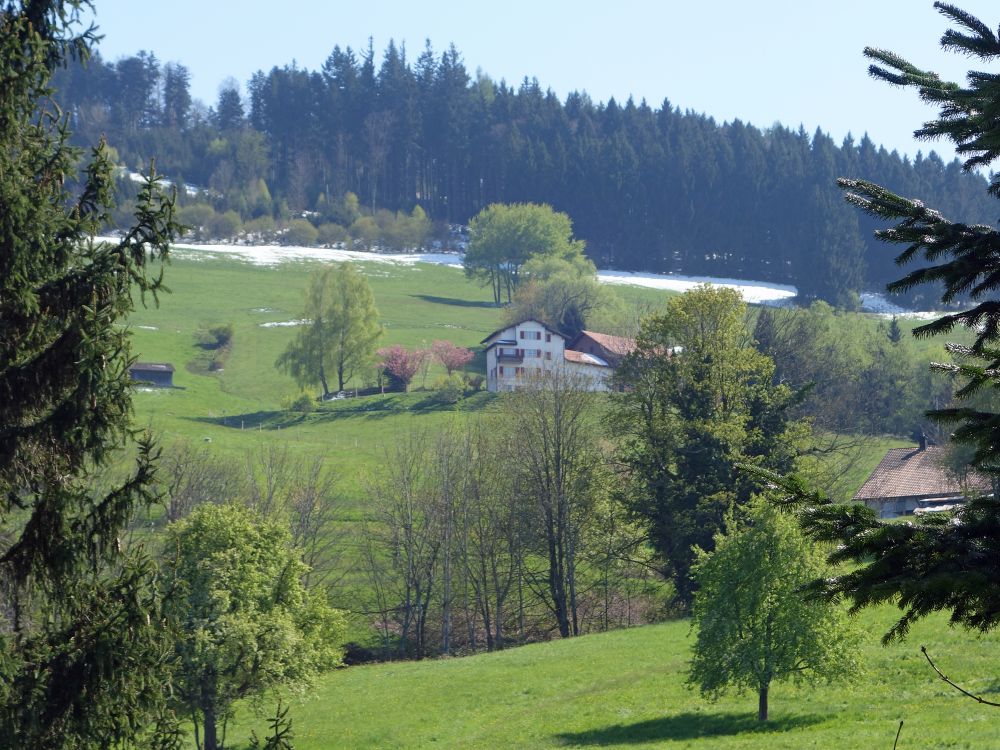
pixel 626 688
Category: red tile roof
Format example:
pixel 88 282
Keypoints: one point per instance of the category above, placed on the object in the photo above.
pixel 911 472
pixel 619 345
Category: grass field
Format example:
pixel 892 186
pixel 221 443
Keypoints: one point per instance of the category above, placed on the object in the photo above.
pixel 627 689
pixel 240 407
pixel 613 690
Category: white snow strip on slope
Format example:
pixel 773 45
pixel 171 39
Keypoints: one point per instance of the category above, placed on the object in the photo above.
pixel 757 292
pixel 271 255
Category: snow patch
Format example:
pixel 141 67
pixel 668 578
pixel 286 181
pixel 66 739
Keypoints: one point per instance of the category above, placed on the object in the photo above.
pixel 286 323
pixel 876 302
pixel 755 292
pixel 272 255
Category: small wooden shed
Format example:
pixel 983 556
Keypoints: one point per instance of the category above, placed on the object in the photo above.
pixel 159 374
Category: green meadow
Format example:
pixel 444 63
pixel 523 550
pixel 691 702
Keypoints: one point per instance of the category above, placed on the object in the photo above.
pixel 627 689
pixel 618 689
pixel 241 406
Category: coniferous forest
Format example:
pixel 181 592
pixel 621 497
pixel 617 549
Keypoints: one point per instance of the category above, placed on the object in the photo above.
pixel 650 188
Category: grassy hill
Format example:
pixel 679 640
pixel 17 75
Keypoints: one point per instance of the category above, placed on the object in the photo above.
pixel 617 689
pixel 627 689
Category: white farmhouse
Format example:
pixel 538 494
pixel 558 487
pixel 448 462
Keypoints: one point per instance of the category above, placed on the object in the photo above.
pixel 530 348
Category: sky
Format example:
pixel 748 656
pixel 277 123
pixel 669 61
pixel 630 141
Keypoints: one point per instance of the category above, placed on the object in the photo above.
pixel 797 62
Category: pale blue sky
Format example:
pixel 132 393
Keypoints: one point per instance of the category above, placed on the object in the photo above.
pixel 789 61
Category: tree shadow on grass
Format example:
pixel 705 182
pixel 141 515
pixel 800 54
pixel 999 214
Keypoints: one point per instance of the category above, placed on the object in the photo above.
pixel 375 408
pixel 686 726
pixel 453 301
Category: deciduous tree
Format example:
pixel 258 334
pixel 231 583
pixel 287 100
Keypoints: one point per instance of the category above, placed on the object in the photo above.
pixel 450 356
pixel 401 363
pixel 697 399
pixel 503 237
pixel 246 623
pixel 754 626
pixel 341 333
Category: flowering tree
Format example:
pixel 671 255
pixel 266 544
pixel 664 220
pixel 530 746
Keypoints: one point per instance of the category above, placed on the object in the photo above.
pixel 450 356
pixel 401 363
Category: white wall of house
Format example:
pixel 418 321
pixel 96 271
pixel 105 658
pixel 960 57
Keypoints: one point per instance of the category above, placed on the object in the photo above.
pixel 523 351
pixel 594 377
pixel 526 349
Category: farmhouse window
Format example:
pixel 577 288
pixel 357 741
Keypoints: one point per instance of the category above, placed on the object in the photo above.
pixel 522 334
pixel 501 370
pixel 548 338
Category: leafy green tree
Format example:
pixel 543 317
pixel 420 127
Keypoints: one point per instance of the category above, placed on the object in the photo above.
pixel 502 238
pixel 246 623
pixel 342 330
pixel 83 655
pixel 563 292
pixel 936 563
pixel 697 398
pixel 300 232
pixel 753 625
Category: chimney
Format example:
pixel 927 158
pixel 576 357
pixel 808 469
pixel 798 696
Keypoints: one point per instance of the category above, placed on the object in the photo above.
pixel 923 440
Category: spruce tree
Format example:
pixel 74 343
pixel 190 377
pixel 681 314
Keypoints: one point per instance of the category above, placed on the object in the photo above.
pixel 82 657
pixel 935 563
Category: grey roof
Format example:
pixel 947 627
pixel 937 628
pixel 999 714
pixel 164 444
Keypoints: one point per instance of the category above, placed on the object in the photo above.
pixel 152 367
pixel 911 472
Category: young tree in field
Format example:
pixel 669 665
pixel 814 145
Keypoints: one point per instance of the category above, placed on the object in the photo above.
pixel 935 563
pixel 502 237
pixel 342 330
pixel 451 357
pixel 246 623
pixel 83 655
pixel 697 398
pixel 401 363
pixel 754 625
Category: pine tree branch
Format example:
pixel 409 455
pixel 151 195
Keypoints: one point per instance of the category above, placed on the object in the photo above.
pixel 959 688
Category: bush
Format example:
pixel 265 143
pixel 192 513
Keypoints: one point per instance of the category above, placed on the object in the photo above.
pixel 215 337
pixel 475 382
pixel 196 217
pixel 332 234
pixel 224 226
pixel 300 232
pixel 450 389
pixel 262 227
pixel 303 403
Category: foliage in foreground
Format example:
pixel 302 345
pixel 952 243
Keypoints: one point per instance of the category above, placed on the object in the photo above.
pixel 932 564
pixel 83 654
pixel 246 623
pixel 754 625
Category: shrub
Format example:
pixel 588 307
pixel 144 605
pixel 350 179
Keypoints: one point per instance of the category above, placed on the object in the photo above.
pixel 303 403
pixel 450 389
pixel 300 232
pixel 331 234
pixel 215 337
